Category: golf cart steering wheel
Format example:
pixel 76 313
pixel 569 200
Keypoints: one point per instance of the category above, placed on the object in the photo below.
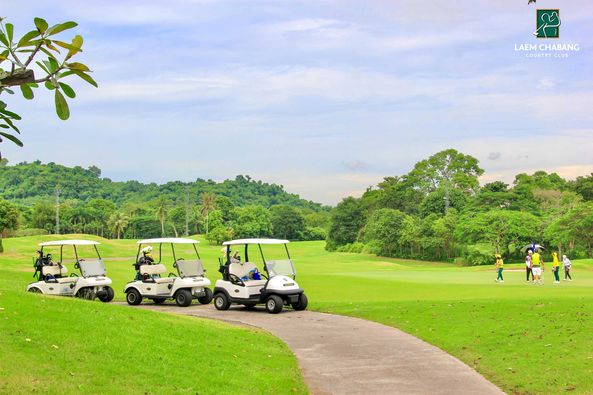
pixel 236 280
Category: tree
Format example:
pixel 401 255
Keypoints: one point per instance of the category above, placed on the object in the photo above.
pixel 253 221
pixel 118 222
pixel 444 231
pixel 583 185
pixel 161 211
pixel 207 204
pixel 384 228
pixel 446 169
pixel 287 222
pixel 56 66
pixel 347 219
pixel 579 222
pixel 500 228
pixel 43 216
pixel 9 216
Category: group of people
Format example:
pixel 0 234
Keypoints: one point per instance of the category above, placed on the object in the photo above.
pixel 535 265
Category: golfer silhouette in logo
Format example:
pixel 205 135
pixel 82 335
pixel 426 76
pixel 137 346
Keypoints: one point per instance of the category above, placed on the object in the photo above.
pixel 549 21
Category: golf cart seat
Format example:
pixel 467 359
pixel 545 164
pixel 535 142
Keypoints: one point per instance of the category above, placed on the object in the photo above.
pixel 57 272
pixel 158 269
pixel 242 270
pixel 191 268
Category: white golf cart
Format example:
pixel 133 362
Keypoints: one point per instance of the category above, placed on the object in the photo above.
pixel 52 277
pixel 189 282
pixel 242 283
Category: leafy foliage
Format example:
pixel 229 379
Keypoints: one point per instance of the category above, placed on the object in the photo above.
pixel 17 68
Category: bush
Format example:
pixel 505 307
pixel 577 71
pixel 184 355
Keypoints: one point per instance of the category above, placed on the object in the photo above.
pixel 475 258
pixel 313 233
pixel 30 232
pixel 355 247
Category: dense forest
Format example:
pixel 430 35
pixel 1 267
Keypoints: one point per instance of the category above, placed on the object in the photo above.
pixel 439 211
pixel 34 195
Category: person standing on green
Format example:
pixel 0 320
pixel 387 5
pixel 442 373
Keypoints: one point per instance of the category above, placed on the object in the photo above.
pixel 537 264
pixel 556 267
pixel 499 265
pixel 567 265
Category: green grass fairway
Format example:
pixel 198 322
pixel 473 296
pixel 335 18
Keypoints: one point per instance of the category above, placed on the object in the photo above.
pixel 526 339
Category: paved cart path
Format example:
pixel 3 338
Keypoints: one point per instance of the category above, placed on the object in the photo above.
pixel 345 355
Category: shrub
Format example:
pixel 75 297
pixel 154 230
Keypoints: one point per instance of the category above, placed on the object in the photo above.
pixel 30 232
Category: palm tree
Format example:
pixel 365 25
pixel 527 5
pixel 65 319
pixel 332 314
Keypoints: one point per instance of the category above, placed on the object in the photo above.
pixel 118 222
pixel 162 210
pixel 207 204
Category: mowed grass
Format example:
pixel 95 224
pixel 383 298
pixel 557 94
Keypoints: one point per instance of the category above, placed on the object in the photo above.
pixel 526 339
pixel 55 345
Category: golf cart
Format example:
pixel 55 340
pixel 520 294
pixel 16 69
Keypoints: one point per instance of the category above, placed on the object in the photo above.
pixel 52 277
pixel 242 283
pixel 187 284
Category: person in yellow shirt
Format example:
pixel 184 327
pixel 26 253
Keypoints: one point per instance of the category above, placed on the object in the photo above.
pixel 556 267
pixel 537 265
pixel 499 264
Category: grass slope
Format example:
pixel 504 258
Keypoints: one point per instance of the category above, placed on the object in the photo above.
pixel 60 345
pixel 524 338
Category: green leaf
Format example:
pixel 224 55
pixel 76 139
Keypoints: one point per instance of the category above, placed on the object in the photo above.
pixel 9 31
pixel 43 67
pixel 49 85
pixel 68 90
pixel 61 27
pixel 25 41
pixel 12 138
pixel 76 43
pixel 66 46
pixel 27 91
pixel 62 106
pixel 40 24
pixel 86 77
pixel 3 39
pixel 10 114
pixel 77 66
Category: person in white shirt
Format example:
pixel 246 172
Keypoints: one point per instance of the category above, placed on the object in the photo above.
pixel 567 265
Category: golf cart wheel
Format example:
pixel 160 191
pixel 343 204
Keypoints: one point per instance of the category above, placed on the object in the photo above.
pixel 274 304
pixel 133 297
pixel 108 296
pixel 302 303
pixel 207 298
pixel 86 293
pixel 158 300
pixel 183 298
pixel 35 290
pixel 221 301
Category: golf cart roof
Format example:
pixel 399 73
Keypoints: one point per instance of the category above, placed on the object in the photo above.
pixel 69 243
pixel 254 241
pixel 171 240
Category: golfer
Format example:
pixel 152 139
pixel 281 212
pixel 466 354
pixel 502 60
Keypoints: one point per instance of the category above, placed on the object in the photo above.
pixel 556 267
pixel 537 265
pixel 528 270
pixel 499 265
pixel 567 265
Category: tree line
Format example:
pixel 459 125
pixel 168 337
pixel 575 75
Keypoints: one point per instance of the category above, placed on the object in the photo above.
pixel 38 198
pixel 439 211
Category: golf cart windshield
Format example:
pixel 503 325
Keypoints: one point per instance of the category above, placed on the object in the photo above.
pixel 282 267
pixel 192 268
pixel 92 268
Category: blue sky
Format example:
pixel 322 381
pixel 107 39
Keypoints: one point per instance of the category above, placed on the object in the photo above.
pixel 323 97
